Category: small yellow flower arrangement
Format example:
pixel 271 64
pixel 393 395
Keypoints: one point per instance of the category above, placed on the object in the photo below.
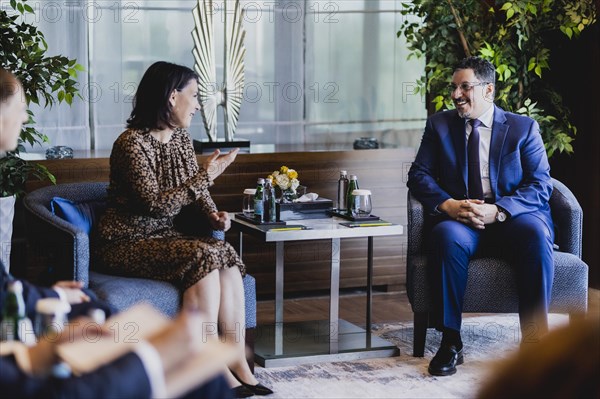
pixel 285 178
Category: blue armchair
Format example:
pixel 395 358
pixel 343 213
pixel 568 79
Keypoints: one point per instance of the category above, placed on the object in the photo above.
pixel 68 248
pixel 491 286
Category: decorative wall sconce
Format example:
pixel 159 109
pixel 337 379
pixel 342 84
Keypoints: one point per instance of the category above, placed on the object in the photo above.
pixel 229 94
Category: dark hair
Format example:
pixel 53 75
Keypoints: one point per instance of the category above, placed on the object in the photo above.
pixel 9 85
pixel 483 69
pixel 151 107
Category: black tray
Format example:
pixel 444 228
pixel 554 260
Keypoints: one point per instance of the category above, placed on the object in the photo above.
pixel 304 210
pixel 344 215
pixel 245 218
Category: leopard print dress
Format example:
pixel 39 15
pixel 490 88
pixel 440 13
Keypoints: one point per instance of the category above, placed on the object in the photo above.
pixel 151 184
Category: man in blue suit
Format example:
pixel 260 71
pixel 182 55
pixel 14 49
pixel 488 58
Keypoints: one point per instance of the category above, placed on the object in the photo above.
pixel 483 176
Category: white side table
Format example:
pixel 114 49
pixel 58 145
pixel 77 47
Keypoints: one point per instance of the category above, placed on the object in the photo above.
pixel 286 344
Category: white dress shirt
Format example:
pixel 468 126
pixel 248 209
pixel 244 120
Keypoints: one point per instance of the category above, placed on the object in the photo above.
pixel 485 138
pixel 154 368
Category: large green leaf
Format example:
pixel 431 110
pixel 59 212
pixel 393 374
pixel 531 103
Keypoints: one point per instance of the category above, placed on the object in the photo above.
pixel 46 80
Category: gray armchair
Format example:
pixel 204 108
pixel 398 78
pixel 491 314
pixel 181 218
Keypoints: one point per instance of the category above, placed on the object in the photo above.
pixel 68 249
pixel 491 286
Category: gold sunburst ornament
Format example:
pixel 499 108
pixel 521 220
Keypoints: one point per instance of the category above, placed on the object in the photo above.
pixel 230 94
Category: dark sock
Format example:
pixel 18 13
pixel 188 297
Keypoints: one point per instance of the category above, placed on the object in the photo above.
pixel 452 337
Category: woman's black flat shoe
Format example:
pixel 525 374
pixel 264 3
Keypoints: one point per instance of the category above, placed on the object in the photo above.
pixel 258 389
pixel 241 391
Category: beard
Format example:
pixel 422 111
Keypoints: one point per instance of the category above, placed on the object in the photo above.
pixel 464 115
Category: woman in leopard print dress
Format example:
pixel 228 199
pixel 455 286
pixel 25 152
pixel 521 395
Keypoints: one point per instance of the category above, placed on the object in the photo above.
pixel 154 177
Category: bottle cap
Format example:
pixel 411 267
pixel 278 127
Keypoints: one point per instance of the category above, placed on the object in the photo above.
pixel 361 192
pixel 353 177
pixel 52 306
pixel 260 180
pixel 343 172
pixel 250 191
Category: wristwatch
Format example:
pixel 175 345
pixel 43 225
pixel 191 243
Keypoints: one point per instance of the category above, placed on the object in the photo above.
pixel 501 215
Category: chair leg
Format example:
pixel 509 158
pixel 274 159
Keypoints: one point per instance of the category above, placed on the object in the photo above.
pixel 421 322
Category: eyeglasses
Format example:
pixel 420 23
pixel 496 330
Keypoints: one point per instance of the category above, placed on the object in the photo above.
pixel 465 86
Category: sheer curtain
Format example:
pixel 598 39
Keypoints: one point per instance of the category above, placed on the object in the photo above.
pixel 317 72
pixel 64 25
pixel 358 74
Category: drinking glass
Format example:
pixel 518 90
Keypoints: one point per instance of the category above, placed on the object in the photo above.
pixel 362 205
pixel 248 202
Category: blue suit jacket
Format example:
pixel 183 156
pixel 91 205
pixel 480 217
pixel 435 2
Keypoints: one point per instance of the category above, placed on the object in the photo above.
pixel 32 293
pixel 519 169
pixel 124 377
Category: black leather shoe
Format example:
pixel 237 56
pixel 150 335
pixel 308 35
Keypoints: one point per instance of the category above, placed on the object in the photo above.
pixel 241 391
pixel 445 360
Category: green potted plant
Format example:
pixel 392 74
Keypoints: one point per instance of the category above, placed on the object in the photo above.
pixel 513 36
pixel 46 81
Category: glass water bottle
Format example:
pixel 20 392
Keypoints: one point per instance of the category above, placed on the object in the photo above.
pixel 342 194
pixel 352 185
pixel 259 201
pixel 15 325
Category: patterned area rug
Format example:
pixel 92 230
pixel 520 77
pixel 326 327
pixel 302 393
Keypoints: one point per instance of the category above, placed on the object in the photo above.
pixel 487 339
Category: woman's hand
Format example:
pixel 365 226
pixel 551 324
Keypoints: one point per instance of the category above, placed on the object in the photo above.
pixel 219 220
pixel 215 165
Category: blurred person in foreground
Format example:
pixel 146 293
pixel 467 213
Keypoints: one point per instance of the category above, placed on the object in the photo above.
pixel 26 372
pixel 564 364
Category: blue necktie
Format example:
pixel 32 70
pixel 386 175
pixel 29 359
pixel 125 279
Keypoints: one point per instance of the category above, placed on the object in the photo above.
pixel 474 168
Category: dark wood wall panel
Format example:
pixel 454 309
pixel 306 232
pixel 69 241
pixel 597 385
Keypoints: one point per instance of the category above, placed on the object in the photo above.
pixel 307 263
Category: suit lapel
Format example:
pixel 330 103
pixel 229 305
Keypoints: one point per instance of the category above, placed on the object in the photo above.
pixel 499 132
pixel 457 131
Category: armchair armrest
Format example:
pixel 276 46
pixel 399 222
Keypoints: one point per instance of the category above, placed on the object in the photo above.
pixel 67 242
pixel 415 231
pixel 567 216
pixel 415 225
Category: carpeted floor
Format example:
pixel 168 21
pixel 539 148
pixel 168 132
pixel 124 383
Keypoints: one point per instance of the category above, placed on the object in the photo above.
pixel 487 339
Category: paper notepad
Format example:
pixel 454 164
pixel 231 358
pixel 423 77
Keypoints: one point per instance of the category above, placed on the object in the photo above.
pixel 127 329
pixel 136 324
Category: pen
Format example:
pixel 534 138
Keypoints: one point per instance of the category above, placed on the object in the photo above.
pixel 286 228
pixel 371 224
